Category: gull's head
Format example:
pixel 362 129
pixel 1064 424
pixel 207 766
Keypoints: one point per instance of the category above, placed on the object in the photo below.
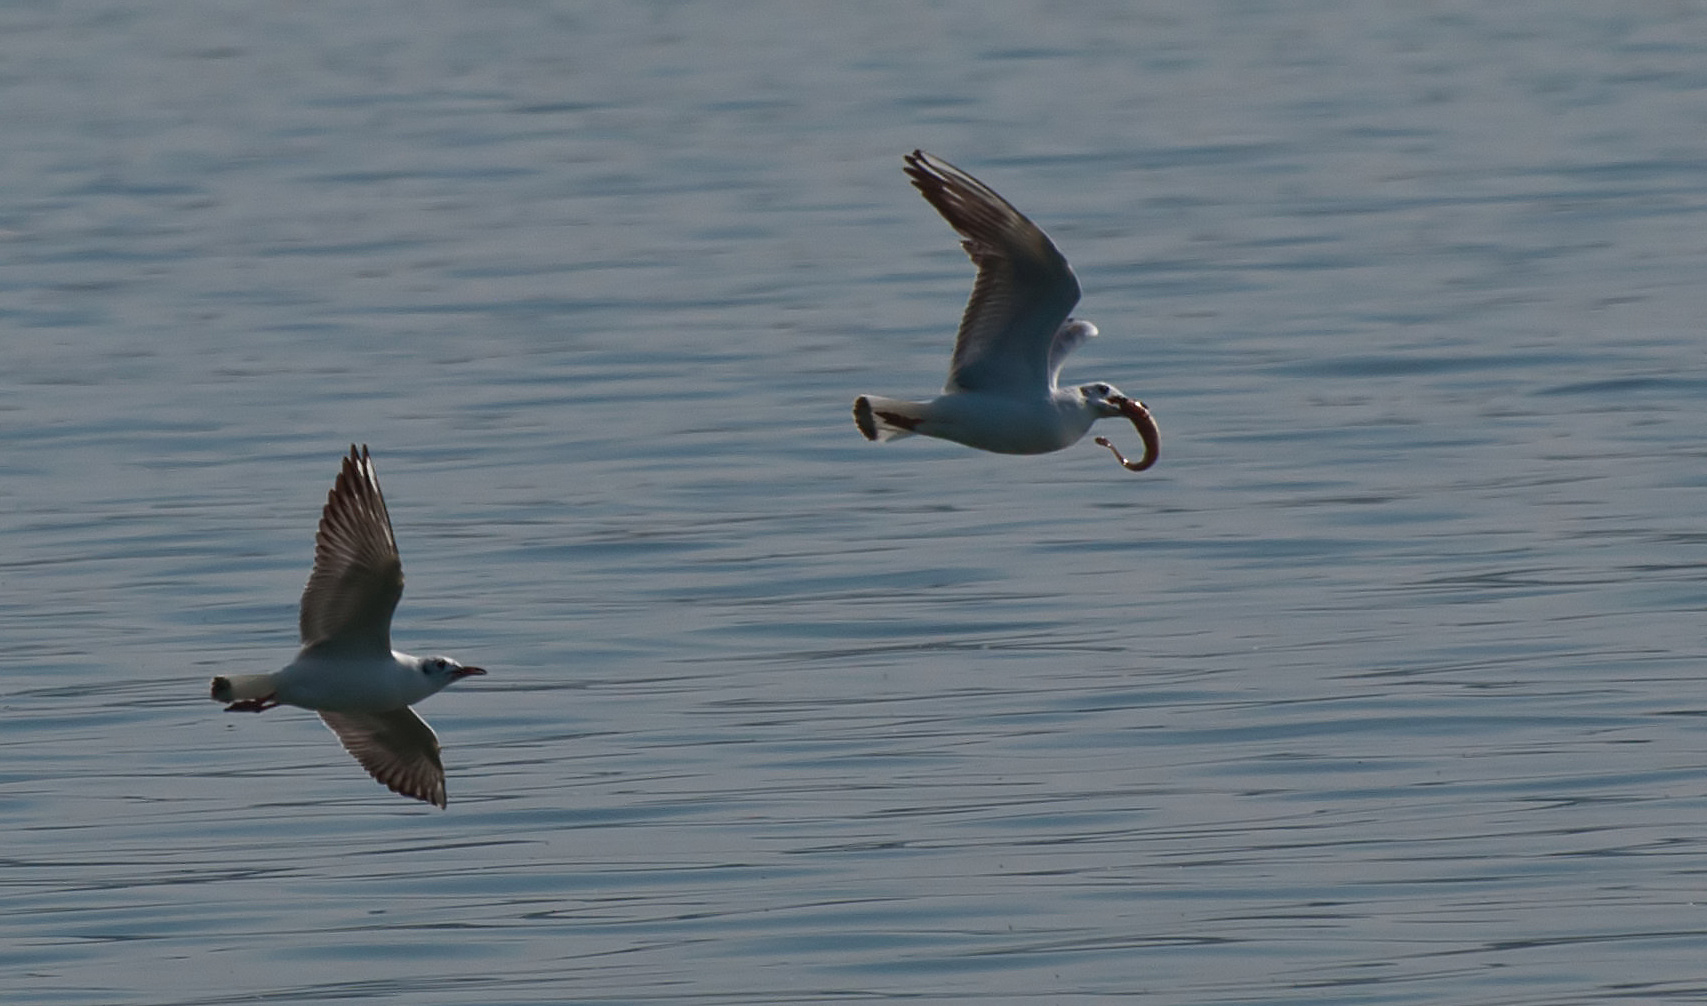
pixel 1106 401
pixel 441 671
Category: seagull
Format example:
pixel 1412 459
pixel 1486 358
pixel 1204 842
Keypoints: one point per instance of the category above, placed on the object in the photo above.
pixel 346 670
pixel 1001 393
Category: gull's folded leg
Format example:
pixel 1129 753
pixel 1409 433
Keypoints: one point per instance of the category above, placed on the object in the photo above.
pixel 259 705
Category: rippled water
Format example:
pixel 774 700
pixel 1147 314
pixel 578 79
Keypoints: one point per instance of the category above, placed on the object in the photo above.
pixel 1383 687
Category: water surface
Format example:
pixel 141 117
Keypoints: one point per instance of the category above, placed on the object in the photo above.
pixel 1382 687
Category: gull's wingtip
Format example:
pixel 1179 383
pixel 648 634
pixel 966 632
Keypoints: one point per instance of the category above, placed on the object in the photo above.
pixel 926 171
pixel 358 466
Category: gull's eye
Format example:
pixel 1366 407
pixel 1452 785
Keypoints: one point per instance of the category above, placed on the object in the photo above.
pixel 1101 389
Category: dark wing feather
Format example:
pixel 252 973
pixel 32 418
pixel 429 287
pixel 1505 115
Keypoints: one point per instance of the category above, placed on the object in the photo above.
pixel 358 576
pixel 1024 288
pixel 397 748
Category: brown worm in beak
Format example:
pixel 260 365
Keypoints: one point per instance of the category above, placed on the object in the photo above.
pixel 1134 410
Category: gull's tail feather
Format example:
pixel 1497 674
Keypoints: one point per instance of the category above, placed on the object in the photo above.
pixel 238 687
pixel 887 418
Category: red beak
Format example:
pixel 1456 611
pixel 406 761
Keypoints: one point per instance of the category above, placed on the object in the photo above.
pixel 463 672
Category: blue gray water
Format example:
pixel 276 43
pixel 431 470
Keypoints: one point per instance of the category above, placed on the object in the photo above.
pixel 1385 686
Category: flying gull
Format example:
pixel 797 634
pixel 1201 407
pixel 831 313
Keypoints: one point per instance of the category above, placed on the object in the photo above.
pixel 1001 393
pixel 346 670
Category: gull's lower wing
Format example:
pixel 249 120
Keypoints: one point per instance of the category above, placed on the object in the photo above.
pixel 396 747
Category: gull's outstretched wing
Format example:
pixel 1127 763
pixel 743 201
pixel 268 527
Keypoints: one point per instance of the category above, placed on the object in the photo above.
pixel 358 577
pixel 1023 292
pixel 396 747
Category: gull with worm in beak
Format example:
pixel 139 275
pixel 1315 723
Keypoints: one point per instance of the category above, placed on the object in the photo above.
pixel 346 670
pixel 1001 394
